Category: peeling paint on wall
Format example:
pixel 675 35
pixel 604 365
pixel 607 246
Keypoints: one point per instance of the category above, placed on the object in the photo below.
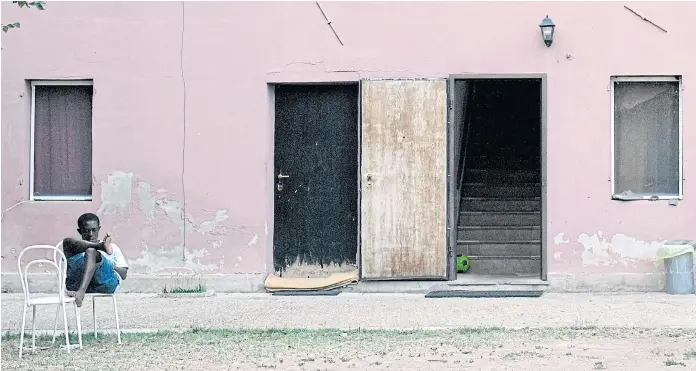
pixel 253 240
pixel 210 225
pixel 299 269
pixel 169 257
pixel 147 200
pixel 560 238
pixel 164 254
pixel 175 213
pixel 116 193
pixel 621 249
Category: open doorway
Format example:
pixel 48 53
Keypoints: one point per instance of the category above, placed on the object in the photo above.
pixel 497 170
pixel 316 158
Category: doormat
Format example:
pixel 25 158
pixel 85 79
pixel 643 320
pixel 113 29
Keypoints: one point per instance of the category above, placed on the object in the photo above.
pixel 307 293
pixel 484 294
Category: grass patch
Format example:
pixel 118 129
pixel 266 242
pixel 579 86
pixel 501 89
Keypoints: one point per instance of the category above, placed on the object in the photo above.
pixel 186 285
pixel 462 334
pixel 690 354
pixel 316 348
pixel 181 290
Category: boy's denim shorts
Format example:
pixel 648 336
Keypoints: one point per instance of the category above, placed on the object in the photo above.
pixel 104 281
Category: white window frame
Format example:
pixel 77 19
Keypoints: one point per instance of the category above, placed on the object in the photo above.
pixel 678 79
pixel 32 162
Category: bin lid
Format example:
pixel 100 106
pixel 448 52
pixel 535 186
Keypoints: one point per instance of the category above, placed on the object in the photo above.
pixel 674 248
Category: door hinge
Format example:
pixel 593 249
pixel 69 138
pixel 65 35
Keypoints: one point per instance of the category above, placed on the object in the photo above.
pixel 450 104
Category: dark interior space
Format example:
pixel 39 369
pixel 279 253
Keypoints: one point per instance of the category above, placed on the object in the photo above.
pixel 316 175
pixel 499 171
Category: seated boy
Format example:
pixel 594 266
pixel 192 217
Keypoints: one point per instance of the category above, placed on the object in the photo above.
pixel 94 266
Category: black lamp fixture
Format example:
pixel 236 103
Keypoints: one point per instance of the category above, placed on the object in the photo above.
pixel 547 28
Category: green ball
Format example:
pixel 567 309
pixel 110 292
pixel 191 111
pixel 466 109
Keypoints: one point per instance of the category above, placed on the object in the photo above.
pixel 463 263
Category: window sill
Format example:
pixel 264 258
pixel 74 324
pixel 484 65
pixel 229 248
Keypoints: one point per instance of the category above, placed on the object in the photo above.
pixel 61 198
pixel 643 197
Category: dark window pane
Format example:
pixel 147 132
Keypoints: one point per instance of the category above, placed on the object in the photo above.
pixel 63 141
pixel 646 137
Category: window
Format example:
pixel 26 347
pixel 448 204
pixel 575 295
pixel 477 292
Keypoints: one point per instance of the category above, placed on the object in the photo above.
pixel 647 147
pixel 61 140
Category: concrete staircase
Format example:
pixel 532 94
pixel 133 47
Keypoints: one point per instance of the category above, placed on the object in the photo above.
pixel 500 211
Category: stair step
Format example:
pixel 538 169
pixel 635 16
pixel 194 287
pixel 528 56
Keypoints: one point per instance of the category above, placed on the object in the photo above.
pixel 485 152
pixel 507 165
pixel 493 161
pixel 514 137
pixel 499 218
pixel 499 249
pixel 501 191
pixel 504 257
pixel 519 233
pixel 528 130
pixel 505 176
pixel 505 266
pixel 479 242
pixel 506 150
pixel 501 204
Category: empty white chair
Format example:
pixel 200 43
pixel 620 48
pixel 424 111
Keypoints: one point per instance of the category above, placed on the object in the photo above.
pixel 59 263
pixel 94 313
pixel 59 247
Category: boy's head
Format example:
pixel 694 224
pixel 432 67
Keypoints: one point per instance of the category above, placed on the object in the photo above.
pixel 88 227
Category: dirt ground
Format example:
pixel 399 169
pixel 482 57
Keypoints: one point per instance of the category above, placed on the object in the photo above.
pixel 469 349
pixel 373 311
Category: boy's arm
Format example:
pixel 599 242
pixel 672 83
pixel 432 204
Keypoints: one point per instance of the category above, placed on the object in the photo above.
pixel 73 246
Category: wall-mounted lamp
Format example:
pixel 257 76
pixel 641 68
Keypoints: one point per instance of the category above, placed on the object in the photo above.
pixel 547 28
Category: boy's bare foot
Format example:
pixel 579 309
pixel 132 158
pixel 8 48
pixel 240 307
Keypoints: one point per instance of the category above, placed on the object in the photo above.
pixel 108 239
pixel 79 297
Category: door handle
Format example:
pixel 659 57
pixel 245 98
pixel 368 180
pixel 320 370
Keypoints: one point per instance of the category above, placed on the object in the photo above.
pixel 281 176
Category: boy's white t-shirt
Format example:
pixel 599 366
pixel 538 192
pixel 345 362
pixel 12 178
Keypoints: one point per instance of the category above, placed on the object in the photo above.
pixel 116 257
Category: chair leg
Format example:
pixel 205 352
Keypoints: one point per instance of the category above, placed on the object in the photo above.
pixel 78 319
pixel 65 325
pixel 21 333
pixel 33 328
pixel 118 326
pixel 55 325
pixel 94 314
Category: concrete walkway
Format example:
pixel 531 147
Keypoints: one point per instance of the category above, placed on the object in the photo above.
pixel 391 311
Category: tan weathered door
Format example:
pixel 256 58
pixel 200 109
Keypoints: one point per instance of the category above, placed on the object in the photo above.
pixel 404 179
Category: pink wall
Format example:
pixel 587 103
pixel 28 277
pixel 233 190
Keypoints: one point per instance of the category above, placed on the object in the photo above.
pixel 232 50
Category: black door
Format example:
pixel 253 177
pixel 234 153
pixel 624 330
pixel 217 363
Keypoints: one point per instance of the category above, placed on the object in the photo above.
pixel 316 175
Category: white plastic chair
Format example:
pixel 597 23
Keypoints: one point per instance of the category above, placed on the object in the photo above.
pixel 94 296
pixel 60 264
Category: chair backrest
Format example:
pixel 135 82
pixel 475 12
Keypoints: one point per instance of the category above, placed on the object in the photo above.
pixel 59 263
pixel 59 248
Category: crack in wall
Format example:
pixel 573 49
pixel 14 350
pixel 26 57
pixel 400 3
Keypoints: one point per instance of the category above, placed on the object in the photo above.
pixel 351 70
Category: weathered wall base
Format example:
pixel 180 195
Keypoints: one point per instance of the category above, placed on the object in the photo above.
pixel 248 283
pixel 142 283
pixel 607 282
